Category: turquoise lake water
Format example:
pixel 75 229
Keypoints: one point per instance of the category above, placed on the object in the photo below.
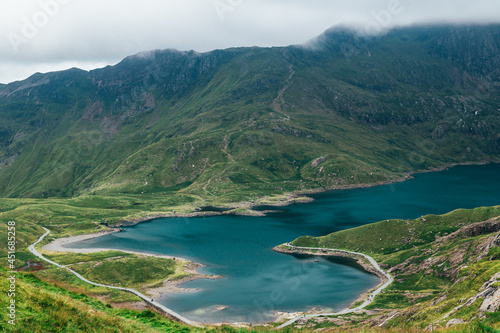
pixel 259 281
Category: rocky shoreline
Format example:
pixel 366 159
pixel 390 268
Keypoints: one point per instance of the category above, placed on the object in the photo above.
pixel 191 267
pixel 64 244
pixel 286 200
pixel 173 287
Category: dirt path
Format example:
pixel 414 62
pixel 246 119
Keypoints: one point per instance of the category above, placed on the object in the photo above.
pixel 280 100
pixel 168 313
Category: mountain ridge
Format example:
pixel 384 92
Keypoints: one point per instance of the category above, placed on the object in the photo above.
pixel 245 122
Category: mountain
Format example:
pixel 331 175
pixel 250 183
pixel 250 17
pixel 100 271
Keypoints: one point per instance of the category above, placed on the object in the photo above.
pixel 233 124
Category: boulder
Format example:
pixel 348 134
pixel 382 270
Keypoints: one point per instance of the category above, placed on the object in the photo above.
pixel 454 322
pixel 491 303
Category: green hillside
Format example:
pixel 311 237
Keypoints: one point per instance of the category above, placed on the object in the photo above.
pixel 434 273
pixel 445 267
pixel 240 123
pixel 164 133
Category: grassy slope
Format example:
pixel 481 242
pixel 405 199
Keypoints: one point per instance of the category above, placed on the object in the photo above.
pixel 120 269
pixel 208 124
pixel 418 284
pixel 43 307
pixel 204 131
pixel 404 234
pixel 423 288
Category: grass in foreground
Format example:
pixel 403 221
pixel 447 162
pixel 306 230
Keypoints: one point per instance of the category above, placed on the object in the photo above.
pixel 72 310
pixel 42 307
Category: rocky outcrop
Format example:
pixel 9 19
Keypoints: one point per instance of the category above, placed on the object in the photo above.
pixel 453 262
pixel 491 303
pixel 454 322
pixel 476 229
pixel 318 161
pixel 491 293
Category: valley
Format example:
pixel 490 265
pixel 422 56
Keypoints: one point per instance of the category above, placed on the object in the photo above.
pixel 207 161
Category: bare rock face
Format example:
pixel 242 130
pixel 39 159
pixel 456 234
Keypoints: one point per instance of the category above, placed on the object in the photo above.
pixel 476 229
pixel 439 300
pixel 491 303
pixel 318 161
pixel 496 241
pixel 454 322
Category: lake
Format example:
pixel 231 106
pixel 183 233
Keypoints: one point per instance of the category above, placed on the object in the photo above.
pixel 259 281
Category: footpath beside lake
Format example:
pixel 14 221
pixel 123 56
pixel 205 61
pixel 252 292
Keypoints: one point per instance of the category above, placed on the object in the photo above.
pixel 259 284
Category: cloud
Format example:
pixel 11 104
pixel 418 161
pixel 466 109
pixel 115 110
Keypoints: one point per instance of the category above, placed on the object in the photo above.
pixel 39 35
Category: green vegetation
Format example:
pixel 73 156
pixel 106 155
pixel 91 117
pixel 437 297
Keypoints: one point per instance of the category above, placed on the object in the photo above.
pixel 43 307
pixel 127 272
pixel 434 272
pixel 412 293
pixel 214 126
pixel 165 135
pixel 115 268
pixel 122 269
pixel 404 234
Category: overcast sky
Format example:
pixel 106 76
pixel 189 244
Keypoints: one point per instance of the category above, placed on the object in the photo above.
pixel 47 35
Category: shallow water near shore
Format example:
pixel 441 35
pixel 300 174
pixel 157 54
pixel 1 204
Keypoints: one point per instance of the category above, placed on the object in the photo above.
pixel 259 281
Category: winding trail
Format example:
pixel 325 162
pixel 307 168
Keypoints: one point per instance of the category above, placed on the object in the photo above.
pixel 278 101
pixel 173 315
pixel 345 311
pixel 169 313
